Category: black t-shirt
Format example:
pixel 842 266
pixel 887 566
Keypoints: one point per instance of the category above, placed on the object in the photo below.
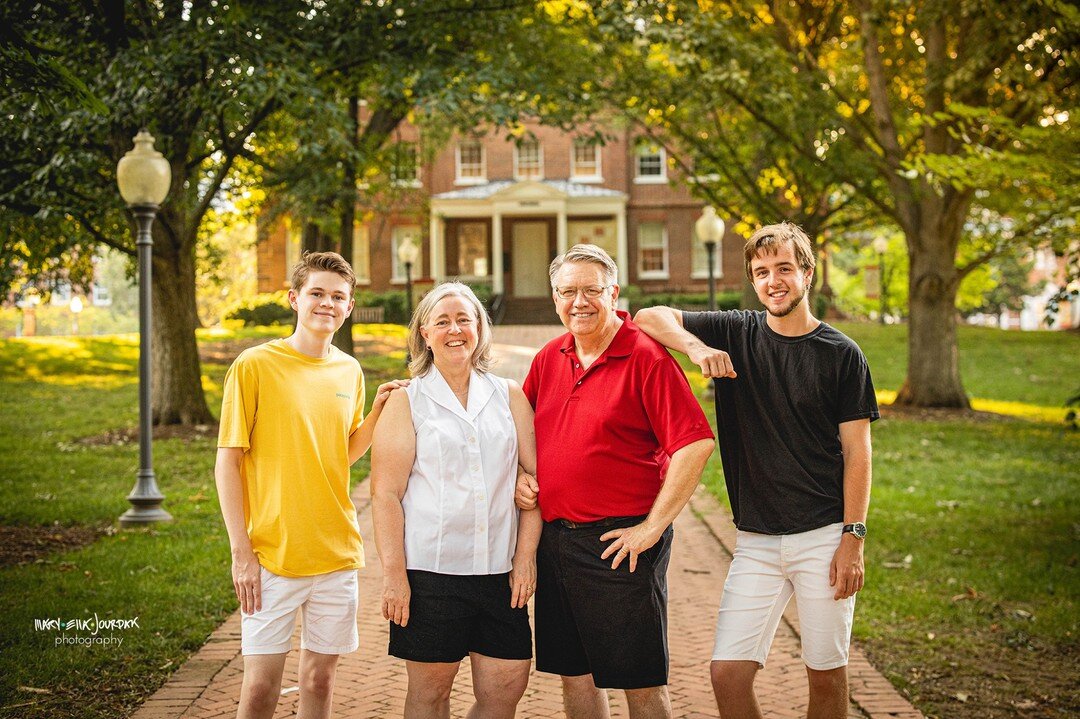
pixel 779 420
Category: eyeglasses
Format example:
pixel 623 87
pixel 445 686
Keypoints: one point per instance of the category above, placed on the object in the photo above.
pixel 591 292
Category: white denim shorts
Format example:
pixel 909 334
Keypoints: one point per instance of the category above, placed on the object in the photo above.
pixel 326 602
pixel 765 572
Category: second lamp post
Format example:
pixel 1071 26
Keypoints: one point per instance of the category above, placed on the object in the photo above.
pixel 710 230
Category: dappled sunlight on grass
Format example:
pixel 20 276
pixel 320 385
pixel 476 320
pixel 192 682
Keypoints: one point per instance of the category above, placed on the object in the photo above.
pixel 105 361
pixel 1019 410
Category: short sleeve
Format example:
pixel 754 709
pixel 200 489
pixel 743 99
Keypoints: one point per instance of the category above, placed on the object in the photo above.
pixel 360 398
pixel 674 413
pixel 709 327
pixel 239 404
pixel 531 385
pixel 857 397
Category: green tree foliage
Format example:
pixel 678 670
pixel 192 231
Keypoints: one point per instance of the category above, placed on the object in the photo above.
pixel 206 79
pixel 844 114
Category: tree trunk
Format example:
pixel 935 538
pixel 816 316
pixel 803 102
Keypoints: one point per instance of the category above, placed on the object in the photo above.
pixel 343 338
pixel 933 374
pixel 177 390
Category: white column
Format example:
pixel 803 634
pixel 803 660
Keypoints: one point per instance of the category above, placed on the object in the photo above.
pixel 621 245
pixel 436 248
pixel 496 253
pixel 561 231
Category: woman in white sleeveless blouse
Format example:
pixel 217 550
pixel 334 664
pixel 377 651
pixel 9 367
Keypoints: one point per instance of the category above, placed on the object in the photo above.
pixel 459 563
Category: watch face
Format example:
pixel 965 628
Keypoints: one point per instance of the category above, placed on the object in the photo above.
pixel 859 530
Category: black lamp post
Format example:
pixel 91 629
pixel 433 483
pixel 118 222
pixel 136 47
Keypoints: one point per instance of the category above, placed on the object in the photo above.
pixel 710 230
pixel 408 253
pixel 144 177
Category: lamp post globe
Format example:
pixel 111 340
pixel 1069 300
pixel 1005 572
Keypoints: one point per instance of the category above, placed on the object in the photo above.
pixel 408 253
pixel 143 176
pixel 710 230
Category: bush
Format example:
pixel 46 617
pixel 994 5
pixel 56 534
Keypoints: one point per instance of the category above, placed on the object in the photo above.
pixel 687 301
pixel 392 302
pixel 270 308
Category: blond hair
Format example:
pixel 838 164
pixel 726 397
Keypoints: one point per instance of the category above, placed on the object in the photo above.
pixel 771 238
pixel 421 358
pixel 321 262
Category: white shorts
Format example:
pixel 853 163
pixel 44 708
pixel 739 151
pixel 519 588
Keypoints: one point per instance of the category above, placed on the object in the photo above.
pixel 328 606
pixel 765 572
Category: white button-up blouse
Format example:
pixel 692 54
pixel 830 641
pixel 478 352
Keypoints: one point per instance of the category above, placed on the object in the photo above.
pixel 459 508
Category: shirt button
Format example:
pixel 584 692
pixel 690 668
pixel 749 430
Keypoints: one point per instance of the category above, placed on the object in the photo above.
pixel 577 366
pixel 472 440
pixel 579 382
pixel 475 468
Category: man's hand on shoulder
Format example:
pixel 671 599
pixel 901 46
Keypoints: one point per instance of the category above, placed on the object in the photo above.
pixel 714 363
pixel 846 570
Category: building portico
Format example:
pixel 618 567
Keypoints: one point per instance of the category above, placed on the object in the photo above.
pixel 507 232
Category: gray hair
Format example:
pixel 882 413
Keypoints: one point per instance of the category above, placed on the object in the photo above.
pixel 422 359
pixel 586 253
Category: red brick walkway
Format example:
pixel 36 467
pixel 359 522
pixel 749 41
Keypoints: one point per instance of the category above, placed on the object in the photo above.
pixel 372 684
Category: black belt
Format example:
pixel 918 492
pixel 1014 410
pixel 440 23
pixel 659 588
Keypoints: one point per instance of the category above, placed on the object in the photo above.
pixel 605 522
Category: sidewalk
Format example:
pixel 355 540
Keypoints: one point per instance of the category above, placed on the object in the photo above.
pixel 372 684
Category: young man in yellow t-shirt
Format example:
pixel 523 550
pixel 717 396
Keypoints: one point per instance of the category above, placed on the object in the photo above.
pixel 292 422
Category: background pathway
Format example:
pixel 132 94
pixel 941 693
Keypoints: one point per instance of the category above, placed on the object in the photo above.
pixel 372 684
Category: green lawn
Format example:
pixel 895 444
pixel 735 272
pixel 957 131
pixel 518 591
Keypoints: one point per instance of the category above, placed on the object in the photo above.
pixel 174 578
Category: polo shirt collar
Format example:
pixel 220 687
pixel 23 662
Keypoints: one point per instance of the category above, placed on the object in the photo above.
pixel 480 391
pixel 622 344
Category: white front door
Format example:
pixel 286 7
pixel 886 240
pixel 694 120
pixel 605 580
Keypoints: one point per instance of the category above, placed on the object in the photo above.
pixel 529 259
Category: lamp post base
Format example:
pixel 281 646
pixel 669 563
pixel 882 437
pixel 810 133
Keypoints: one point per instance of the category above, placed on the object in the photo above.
pixel 146 502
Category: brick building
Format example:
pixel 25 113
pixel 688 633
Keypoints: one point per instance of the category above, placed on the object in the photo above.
pixel 489 210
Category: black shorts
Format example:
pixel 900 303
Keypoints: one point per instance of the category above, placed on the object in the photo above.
pixel 452 615
pixel 592 620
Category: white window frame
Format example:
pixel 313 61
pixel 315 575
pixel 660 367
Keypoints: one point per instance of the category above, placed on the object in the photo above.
pixel 292 249
pixel 397 270
pixel 640 179
pixel 361 238
pixel 703 273
pixel 100 295
pixel 413 181
pixel 576 176
pixel 539 156
pixel 460 179
pixel 663 274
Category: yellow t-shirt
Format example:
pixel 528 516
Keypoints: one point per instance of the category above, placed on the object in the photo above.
pixel 294 414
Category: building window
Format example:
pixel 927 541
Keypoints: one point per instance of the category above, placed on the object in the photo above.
pixel 470 163
pixel 652 251
pixel 398 236
pixel 100 295
pixel 292 249
pixel 472 258
pixel 651 164
pixel 699 269
pixel 528 160
pixel 594 232
pixel 585 160
pixel 406 168
pixel 361 254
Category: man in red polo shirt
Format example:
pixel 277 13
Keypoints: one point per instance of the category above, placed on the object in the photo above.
pixel 621 443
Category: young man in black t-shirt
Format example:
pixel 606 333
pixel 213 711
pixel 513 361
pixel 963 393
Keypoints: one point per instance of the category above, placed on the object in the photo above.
pixel 794 402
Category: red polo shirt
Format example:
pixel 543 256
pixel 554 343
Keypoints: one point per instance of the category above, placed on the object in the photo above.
pixel 604 435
